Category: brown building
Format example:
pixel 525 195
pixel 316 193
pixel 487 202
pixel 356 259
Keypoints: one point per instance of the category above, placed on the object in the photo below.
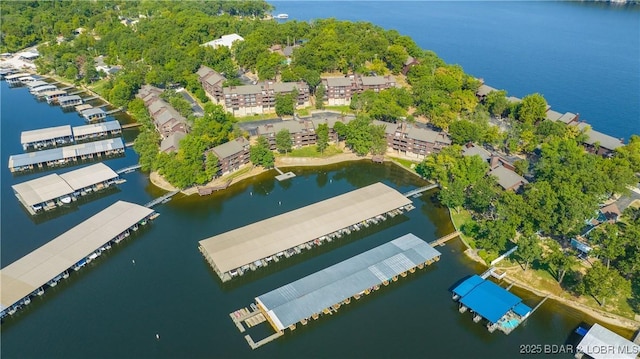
pixel 413 141
pixel 330 121
pixel 302 132
pixel 231 155
pixel 165 118
pixel 211 82
pixel 339 90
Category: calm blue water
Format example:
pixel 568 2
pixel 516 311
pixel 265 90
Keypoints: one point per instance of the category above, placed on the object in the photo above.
pixel 584 58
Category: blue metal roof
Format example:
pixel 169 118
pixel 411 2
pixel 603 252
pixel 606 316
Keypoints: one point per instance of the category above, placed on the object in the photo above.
pixel 465 287
pixel 490 301
pixel 522 309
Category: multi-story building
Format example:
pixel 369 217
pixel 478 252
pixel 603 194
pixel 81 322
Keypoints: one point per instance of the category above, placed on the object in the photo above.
pixel 413 141
pixel 211 82
pixel 339 90
pixel 302 132
pixel 231 155
pixel 166 119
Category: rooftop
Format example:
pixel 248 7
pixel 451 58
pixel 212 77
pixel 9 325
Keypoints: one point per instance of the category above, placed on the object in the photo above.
pixel 230 148
pixel 339 81
pixel 616 347
pixel 301 299
pixel 44 134
pixel 92 111
pixel 605 141
pixel 473 150
pixel 172 141
pixel 484 90
pixel 96 128
pixel 88 176
pixel 488 299
pixel 261 239
pixel 42 189
pixel 507 178
pixel 32 158
pixel 35 269
pixel 376 80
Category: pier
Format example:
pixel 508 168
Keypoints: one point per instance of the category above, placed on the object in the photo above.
pixel 128 169
pixel 283 176
pixel 442 240
pixel 111 112
pixel 325 291
pixel 90 98
pixel 131 125
pixel 253 246
pixel 43 268
pixel 163 199
pixel 418 191
pixel 65 155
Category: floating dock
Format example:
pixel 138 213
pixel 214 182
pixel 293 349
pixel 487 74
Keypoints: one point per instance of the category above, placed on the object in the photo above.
pixel 46 266
pixel 282 175
pixel 65 155
pixel 501 309
pixel 324 292
pixel 52 191
pixel 255 245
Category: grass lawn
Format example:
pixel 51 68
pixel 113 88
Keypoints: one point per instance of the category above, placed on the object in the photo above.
pixel 264 116
pixel 237 173
pixel 405 163
pixel 459 219
pixel 312 151
pixel 98 87
pixel 344 108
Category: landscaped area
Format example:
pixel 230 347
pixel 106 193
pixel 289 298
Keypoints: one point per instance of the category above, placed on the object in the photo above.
pixel 312 151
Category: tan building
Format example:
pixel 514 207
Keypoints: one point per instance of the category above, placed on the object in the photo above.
pixel 165 118
pixel 413 141
pixel 302 132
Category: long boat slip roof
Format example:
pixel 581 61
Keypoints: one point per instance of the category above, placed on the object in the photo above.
pixel 54 154
pixel 88 176
pixel 34 270
pixel 85 130
pixel 42 189
pixel 17 76
pixel 615 346
pixel 258 240
pixel 44 134
pixel 301 299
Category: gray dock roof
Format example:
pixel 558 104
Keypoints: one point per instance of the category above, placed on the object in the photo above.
pixel 92 111
pixel 301 299
pixel 32 158
pixel 62 99
pixel 85 130
pixel 601 343
pixel 38 83
pixel 42 189
pixel 35 269
pixel 45 134
pixel 261 239
pixel 88 176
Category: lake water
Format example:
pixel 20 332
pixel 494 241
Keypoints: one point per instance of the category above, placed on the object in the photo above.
pixel 114 308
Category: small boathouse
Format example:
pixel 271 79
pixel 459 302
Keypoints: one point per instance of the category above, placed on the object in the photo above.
pixel 64 155
pixel 70 100
pixel 51 191
pixel 234 252
pixel 46 266
pixel 94 114
pixel 502 309
pixel 601 343
pixel 52 97
pixel 325 291
pixel 46 137
pixel 95 130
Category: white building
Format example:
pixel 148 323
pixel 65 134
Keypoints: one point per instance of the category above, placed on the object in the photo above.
pixel 225 40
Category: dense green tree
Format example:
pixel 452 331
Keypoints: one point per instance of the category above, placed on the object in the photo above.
pixel 529 249
pixel 452 196
pixel 610 243
pixel 341 130
pixel 320 93
pixel 323 137
pixel 497 103
pixel 212 164
pixel 260 155
pixel 285 104
pixel 559 261
pixel 283 141
pixel 482 194
pixel 532 109
pixel 602 283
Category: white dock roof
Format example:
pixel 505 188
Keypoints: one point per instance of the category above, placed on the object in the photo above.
pixel 45 134
pixel 35 269
pixel 601 343
pixel 96 128
pixel 88 176
pixel 310 295
pixel 258 240
pixel 54 154
pixel 42 189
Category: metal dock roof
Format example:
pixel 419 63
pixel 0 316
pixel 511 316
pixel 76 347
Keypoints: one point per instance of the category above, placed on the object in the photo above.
pixel 44 134
pixel 465 287
pixel 42 189
pixel 88 176
pixel 32 158
pixel 96 128
pixel 310 295
pixel 601 343
pixel 258 240
pixel 35 269
pixel 490 300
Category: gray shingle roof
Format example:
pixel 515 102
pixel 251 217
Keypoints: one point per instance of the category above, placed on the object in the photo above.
pixel 230 148
pixel 506 177
pixel 172 141
pixel 605 141
pixel 339 81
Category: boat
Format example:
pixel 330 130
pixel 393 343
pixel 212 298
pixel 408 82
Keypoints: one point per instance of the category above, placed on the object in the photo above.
pixel 282 16
pixel 65 199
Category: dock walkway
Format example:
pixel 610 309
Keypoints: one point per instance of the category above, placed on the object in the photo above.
pixel 419 191
pixel 442 240
pixel 162 199
pixel 128 169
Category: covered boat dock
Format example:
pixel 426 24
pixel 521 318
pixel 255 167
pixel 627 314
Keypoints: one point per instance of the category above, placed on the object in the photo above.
pixel 52 96
pixel 94 130
pixel 64 155
pixel 94 114
pixel 46 137
pixel 231 253
pixel 51 191
pixel 70 100
pixel 52 262
pixel 502 309
pixel 601 343
pixel 325 291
